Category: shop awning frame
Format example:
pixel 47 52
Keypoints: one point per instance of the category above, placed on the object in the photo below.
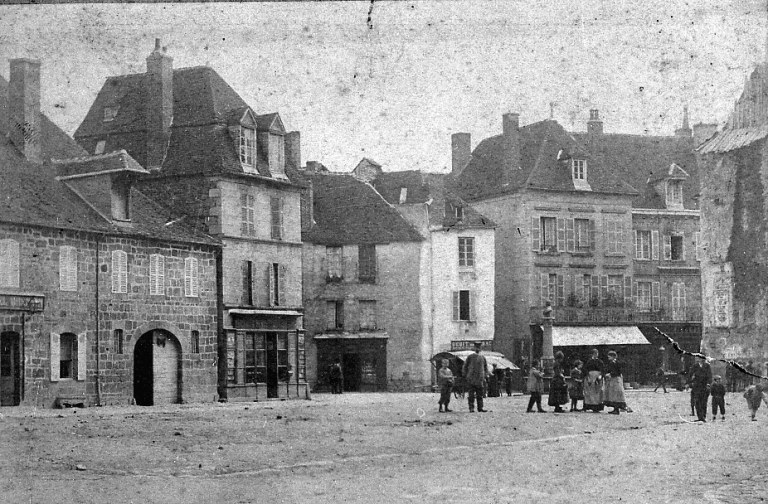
pixel 569 336
pixel 491 358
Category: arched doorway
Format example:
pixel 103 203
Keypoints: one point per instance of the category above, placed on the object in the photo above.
pixel 10 369
pixel 157 369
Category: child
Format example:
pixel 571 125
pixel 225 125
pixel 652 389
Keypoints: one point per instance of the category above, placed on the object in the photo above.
pixel 445 381
pixel 718 398
pixel 535 387
pixel 558 390
pixel 755 394
pixel 576 388
pixel 508 382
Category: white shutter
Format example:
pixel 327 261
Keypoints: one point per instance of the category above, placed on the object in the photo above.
pixel 697 244
pixel 271 284
pixel 119 271
pixel 655 295
pixel 682 247
pixel 82 351
pixel 9 263
pixel 55 356
pixel 655 245
pixel 560 224
pixel 282 282
pixel 667 247
pixel 67 268
pixel 472 306
pixel 456 305
pixel 191 280
pixel 544 281
pixel 637 245
pixel 156 274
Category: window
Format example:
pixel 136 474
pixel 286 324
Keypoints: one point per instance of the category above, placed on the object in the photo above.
pixel 232 357
pixel 334 259
pixel 614 236
pixel 674 193
pixel 463 306
pixel 247 146
pixel 67 356
pixel 276 152
pixel 676 248
pixel 156 275
pixel 194 345
pixel 586 290
pixel 191 282
pixel 615 295
pixel 68 268
pixel 118 340
pixel 335 315
pixel 248 283
pixel 579 169
pixel 366 259
pixel 459 212
pixel 110 113
pixel 581 235
pixel 367 315
pixel 9 263
pixel 100 145
pixel 466 251
pixel 549 234
pixel 643 299
pixel 247 214
pixel 121 198
pixel 277 274
pixel 119 272
pixel 255 349
pixel 678 301
pixel 403 195
pixel 276 211
pixel 643 244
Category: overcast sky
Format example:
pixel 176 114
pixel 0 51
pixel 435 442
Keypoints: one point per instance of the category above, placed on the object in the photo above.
pixel 396 89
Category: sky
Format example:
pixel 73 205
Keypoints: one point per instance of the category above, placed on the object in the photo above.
pixel 395 87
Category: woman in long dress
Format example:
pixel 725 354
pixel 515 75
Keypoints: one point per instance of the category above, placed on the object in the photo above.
pixel 614 385
pixel 593 383
pixel 576 387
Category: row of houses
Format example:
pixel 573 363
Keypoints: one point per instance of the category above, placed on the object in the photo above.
pixel 177 249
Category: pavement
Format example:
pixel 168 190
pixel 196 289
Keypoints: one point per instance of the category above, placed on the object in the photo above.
pixel 383 448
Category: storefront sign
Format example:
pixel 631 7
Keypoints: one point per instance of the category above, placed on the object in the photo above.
pixel 457 345
pixel 22 302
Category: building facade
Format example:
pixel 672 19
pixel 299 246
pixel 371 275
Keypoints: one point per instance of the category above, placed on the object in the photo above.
pixel 225 170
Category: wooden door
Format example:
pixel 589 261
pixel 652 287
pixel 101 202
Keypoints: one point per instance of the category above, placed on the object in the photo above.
pixel 9 369
pixel 165 368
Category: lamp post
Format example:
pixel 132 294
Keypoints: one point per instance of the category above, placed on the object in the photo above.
pixel 547 352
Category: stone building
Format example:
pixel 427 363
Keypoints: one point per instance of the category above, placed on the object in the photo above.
pixel 734 170
pixel 105 298
pixel 364 301
pixel 224 169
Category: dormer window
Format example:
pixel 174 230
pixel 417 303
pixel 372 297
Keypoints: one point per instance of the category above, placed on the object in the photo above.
pixel 248 148
pixel 100 147
pixel 110 113
pixel 121 199
pixel 459 212
pixel 674 193
pixel 579 169
pixel 403 195
pixel 277 155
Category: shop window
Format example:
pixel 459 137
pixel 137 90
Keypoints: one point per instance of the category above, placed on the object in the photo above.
pixel 282 357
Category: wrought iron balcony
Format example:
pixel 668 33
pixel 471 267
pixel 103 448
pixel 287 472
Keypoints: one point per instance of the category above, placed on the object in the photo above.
pixel 567 315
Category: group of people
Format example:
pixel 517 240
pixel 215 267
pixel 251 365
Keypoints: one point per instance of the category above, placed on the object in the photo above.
pixel 703 384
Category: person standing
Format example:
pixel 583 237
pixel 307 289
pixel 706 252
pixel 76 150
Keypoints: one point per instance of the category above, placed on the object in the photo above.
pixel 475 372
pixel 576 387
pixel 593 383
pixel 445 381
pixel 754 395
pixel 335 376
pixel 508 382
pixel 661 380
pixel 718 398
pixel 701 381
pixel 614 384
pixel 535 387
pixel 558 389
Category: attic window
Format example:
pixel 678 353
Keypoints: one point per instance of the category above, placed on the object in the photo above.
pixel 247 147
pixel 674 193
pixel 110 113
pixel 121 199
pixel 459 212
pixel 579 169
pixel 403 194
pixel 100 147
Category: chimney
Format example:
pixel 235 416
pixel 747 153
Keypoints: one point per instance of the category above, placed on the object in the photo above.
pixel 293 149
pixel 594 125
pixel 159 103
pixel 703 132
pixel 24 108
pixel 461 149
pixel 685 130
pixel 511 136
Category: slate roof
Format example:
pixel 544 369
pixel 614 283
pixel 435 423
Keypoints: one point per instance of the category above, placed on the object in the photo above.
pixel 32 195
pixel 641 160
pixel 89 165
pixel 732 139
pixel 545 153
pixel 203 107
pixel 349 211
pixel 437 187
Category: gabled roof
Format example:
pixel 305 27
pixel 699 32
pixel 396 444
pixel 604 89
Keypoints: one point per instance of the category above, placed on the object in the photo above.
pixel 435 189
pixel 270 122
pixel 348 211
pixel 118 161
pixel 546 151
pixel 642 160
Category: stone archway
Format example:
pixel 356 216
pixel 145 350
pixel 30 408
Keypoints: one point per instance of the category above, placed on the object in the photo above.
pixel 157 368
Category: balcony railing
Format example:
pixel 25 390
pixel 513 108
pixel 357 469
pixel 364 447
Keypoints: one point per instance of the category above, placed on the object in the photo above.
pixel 603 316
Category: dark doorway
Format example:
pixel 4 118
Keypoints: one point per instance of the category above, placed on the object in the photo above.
pixel 142 371
pixel 350 365
pixel 10 370
pixel 272 374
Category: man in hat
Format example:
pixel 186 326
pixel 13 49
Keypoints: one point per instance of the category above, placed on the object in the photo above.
pixel 475 371
pixel 701 381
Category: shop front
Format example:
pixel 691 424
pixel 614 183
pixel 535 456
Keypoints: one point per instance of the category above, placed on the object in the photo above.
pixel 363 359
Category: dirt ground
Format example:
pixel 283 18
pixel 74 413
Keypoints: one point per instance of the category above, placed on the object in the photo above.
pixel 383 448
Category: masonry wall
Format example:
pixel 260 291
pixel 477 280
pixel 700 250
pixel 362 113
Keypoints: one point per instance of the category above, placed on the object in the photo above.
pixel 135 313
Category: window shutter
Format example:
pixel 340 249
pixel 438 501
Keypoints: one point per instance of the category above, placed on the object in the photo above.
pixel 622 245
pixel 13 261
pixel 472 306
pixel 560 290
pixel 282 214
pixel 627 291
pixel 156 274
pixel 595 283
pixel 119 271
pixel 246 283
pixel 697 245
pixel 535 234
pixel 667 247
pixel 655 245
pixel 271 283
pixel 655 297
pixel 682 247
pixel 592 235
pixel 544 280
pixel 191 285
pixel 682 296
pixel 244 214
pixel 569 235
pixel 634 293
pixel 55 356
pixel 82 350
pixel 560 234
pixel 637 245
pixel 603 289
pixel 282 283
pixel 455 305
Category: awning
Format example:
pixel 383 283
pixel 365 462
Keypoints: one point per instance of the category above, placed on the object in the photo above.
pixel 348 335
pixel 597 335
pixel 491 358
pixel 279 313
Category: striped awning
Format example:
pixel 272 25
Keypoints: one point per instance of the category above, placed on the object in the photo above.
pixel 597 336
